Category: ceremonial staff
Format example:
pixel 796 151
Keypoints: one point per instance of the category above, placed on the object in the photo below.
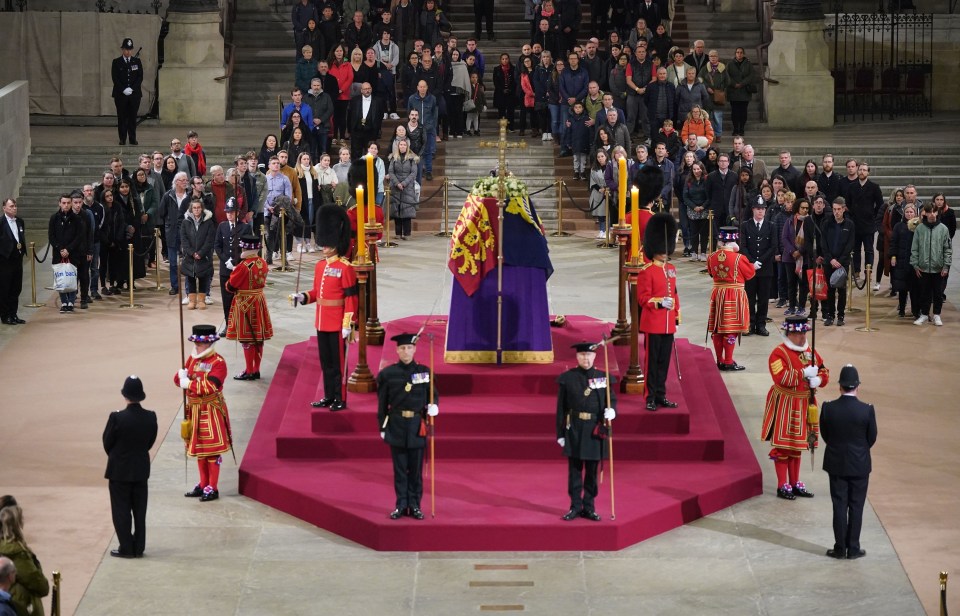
pixel 812 406
pixel 433 474
pixel 183 364
pixel 606 369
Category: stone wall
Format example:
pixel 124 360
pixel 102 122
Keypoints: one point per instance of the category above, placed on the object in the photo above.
pixel 14 136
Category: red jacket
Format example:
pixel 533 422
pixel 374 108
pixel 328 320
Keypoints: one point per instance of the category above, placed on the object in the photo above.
pixel 335 292
pixel 656 281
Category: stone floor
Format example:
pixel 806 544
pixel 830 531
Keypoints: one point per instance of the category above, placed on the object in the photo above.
pixel 235 556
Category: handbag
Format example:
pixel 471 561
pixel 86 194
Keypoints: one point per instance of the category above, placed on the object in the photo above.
pixel 719 97
pixel 838 279
pixel 817 283
pixel 64 277
pixel 469 105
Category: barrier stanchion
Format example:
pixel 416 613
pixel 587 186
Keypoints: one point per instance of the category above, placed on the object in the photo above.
pixel 386 218
pixel 866 327
pixel 850 285
pixel 130 279
pixel 446 209
pixel 156 241
pixel 559 232
pixel 710 238
pixel 33 278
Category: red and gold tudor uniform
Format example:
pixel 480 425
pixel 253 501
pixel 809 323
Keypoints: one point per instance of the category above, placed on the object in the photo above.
pixel 206 412
pixel 790 411
pixel 659 316
pixel 249 321
pixel 729 312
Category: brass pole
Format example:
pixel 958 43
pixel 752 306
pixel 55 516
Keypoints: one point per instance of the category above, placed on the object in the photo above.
pixel 446 209
pixel 866 327
pixel 386 218
pixel 33 277
pixel 850 285
pixel 55 595
pixel 159 260
pixel 361 379
pixel 560 232
pixel 130 278
pixel 943 593
pixel 634 380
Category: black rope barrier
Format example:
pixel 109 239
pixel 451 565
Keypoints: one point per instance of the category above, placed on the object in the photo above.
pixel 45 254
pixel 566 188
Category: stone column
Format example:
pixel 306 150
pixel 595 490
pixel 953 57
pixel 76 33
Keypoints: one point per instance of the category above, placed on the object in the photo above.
pixel 193 58
pixel 798 59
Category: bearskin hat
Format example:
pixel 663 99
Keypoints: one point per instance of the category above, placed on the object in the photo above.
pixel 660 236
pixel 649 183
pixel 333 228
pixel 357 176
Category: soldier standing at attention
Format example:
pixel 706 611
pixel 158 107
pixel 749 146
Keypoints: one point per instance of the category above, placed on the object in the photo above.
pixel 581 411
pixel 127 74
pixel 403 394
pixel 335 293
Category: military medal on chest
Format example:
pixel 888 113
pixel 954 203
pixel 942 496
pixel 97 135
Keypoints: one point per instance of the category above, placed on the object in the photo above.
pixel 586 392
pixel 407 387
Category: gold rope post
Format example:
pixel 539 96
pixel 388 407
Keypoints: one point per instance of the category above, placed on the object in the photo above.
pixel 850 285
pixel 386 218
pixel 446 209
pixel 943 593
pixel 55 595
pixel 710 238
pixel 33 277
pixel 560 232
pixel 130 278
pixel 869 292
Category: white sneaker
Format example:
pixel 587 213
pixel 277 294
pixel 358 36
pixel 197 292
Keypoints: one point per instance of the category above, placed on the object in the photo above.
pixel 920 321
pixel 876 287
pixel 601 235
pixel 385 116
pixel 937 321
pixel 703 256
pixel 276 256
pixel 289 257
pixel 549 136
pixel 543 137
pixel 186 300
pixel 208 300
pixel 394 116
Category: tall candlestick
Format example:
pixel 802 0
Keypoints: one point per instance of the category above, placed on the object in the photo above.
pixel 361 243
pixel 622 190
pixel 371 189
pixel 634 218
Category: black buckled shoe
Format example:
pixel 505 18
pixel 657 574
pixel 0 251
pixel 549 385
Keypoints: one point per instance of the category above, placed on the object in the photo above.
pixel 416 514
pixel 244 376
pixel 570 515
pixel 827 322
pixel 735 367
pixel 838 554
pixel 119 554
pixel 666 403
pixel 840 322
pixel 855 554
pixel 801 490
pixel 786 492
pixel 338 405
pixel 210 496
pixel 396 514
pixel 590 515
pixel 196 492
pixel 322 403
pixel 762 331
pixel 651 405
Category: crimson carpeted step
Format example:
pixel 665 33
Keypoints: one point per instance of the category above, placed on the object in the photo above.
pixel 513 414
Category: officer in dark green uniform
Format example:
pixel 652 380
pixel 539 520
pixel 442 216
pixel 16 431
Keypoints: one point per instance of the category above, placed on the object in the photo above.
pixel 403 390
pixel 581 410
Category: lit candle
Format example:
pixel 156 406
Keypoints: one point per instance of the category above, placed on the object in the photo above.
pixel 622 192
pixel 371 190
pixel 634 217
pixel 361 244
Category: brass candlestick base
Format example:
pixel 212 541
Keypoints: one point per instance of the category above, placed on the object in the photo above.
pixel 621 235
pixel 361 379
pixel 632 382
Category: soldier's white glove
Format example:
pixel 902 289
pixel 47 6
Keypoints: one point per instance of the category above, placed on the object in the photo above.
pixel 815 382
pixel 128 91
pixel 345 332
pixel 229 264
pixel 757 265
pixel 183 375
pixel 609 414
pixel 383 435
pixel 433 410
pixel 562 442
pixel 810 371
pixel 667 302
pixel 297 298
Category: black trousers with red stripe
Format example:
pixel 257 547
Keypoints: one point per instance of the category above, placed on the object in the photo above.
pixel 330 345
pixel 659 347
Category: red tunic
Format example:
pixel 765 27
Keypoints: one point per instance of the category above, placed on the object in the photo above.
pixel 785 414
pixel 352 216
pixel 656 281
pixel 335 292
pixel 729 311
pixel 249 318
pixel 206 409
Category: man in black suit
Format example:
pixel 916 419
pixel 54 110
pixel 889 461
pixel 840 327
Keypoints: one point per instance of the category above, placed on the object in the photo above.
pixel 835 248
pixel 849 429
pixel 227 247
pixel 13 246
pixel 760 244
pixel 364 116
pixel 127 439
pixel 127 74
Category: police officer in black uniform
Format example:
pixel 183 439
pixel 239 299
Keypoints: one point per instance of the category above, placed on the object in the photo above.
pixel 581 411
pixel 227 247
pixel 403 390
pixel 127 73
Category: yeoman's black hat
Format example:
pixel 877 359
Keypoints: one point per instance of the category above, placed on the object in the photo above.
pixel 402 339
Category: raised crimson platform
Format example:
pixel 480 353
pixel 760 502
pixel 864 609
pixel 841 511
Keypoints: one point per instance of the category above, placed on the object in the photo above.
pixel 500 475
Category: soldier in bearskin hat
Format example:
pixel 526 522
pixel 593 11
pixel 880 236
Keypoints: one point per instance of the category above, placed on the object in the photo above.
pixel 206 429
pixel 791 411
pixel 659 304
pixel 335 293
pixel 249 322
pixel 581 410
pixel 729 314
